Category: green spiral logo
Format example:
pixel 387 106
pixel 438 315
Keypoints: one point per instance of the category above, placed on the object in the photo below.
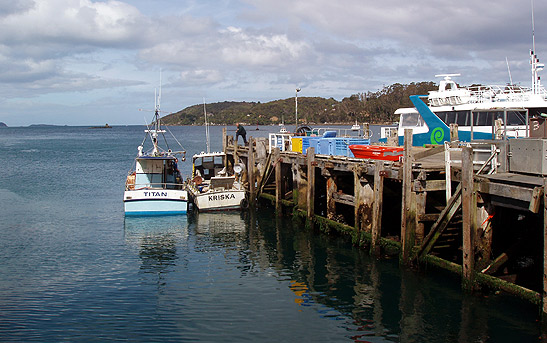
pixel 437 136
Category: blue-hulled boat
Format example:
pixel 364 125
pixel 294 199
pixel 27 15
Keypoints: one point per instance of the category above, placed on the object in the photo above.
pixel 155 186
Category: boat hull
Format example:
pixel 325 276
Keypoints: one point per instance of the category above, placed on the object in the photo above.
pixel 376 152
pixel 219 200
pixel 150 202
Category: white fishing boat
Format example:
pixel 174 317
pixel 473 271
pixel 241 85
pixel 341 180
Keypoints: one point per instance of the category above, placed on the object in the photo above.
pixel 355 127
pixel 213 185
pixel 155 186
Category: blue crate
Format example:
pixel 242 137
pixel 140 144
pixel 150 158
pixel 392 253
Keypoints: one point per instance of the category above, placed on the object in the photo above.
pixel 342 146
pixel 314 143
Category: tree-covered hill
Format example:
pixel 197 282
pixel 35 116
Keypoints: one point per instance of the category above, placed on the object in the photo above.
pixel 370 107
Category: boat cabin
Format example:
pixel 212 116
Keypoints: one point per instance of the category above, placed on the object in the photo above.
pixel 410 118
pixel 157 172
pixel 208 165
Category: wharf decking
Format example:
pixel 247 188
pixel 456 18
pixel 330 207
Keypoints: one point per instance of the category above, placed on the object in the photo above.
pixel 459 207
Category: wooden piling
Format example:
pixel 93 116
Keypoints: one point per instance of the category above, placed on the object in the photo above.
pixel 278 181
pixel 377 208
pixel 421 201
pixel 310 159
pixel 224 139
pixel 251 174
pixel 331 204
pixel 366 131
pixel 357 199
pixel 544 293
pixel 408 216
pixel 469 213
pixel 453 132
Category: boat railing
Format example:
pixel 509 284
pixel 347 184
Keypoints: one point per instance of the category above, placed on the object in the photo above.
pixel 340 132
pixel 495 93
pixel 159 185
pixel 280 140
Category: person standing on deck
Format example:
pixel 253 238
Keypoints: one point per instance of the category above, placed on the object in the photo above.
pixel 241 132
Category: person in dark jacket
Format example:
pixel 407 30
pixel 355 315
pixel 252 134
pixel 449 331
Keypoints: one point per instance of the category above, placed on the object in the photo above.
pixel 241 132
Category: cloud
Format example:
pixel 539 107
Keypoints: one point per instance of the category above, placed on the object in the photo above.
pixel 254 49
pixel 260 49
pixel 201 77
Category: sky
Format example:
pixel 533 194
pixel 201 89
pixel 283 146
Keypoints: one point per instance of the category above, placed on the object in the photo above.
pixel 86 62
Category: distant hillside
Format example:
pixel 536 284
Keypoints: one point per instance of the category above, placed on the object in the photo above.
pixel 373 108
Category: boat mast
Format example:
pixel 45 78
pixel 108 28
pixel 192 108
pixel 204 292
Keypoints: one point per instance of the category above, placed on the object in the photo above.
pixel 534 61
pixel 206 128
pixel 157 125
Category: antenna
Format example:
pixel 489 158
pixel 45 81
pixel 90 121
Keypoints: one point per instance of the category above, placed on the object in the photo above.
pixel 206 128
pixel 509 70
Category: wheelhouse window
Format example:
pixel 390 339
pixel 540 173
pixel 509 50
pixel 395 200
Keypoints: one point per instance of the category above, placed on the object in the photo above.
pixel 487 118
pixel 411 119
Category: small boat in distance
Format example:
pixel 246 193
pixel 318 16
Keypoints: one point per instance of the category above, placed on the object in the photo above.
pixel 155 187
pixel 105 126
pixel 213 185
pixel 356 127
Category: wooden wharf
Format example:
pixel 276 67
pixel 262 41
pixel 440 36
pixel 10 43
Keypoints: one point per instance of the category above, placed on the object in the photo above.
pixel 460 207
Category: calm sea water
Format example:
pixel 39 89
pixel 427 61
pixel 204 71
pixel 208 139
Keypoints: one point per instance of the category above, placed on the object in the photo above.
pixel 74 269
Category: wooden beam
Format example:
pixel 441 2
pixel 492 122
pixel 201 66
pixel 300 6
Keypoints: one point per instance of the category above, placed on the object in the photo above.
pixel 429 185
pixel 535 202
pixel 506 190
pixel 501 259
pixel 346 199
pixel 454 203
pixel 429 152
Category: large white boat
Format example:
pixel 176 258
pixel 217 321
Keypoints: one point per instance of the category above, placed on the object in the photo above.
pixel 213 186
pixel 481 112
pixel 155 186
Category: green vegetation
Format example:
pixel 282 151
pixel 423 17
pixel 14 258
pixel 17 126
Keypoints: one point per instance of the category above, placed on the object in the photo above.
pixel 373 108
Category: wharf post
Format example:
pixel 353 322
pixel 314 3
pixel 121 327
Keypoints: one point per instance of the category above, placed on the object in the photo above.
pixel 278 181
pixel 408 213
pixel 331 190
pixel 251 173
pixel 469 213
pixel 544 293
pixel 310 161
pixel 453 132
pixel 377 208
pixel 224 140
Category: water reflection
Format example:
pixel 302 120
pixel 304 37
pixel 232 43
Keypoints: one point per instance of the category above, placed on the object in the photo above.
pixel 377 298
pixel 157 239
pixel 248 263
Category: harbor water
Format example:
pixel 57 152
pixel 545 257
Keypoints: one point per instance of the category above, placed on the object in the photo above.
pixel 73 268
